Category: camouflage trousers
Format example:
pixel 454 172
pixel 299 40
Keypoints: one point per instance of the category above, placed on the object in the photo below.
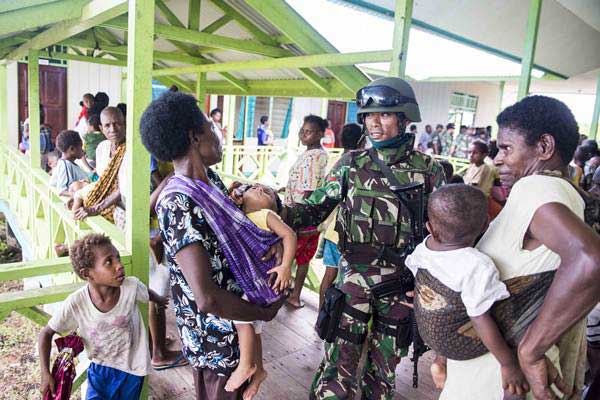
pixel 338 373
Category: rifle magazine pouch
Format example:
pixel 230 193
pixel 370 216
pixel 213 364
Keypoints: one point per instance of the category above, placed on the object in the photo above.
pixel 401 329
pixel 330 313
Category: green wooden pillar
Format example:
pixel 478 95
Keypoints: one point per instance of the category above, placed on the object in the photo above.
pixel 533 22
pixel 33 104
pixel 3 107
pixel 500 98
pixel 140 43
pixel 402 22
pixel 201 90
pixel 596 114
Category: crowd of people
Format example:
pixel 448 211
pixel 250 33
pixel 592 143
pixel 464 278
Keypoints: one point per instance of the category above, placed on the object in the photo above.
pixel 479 260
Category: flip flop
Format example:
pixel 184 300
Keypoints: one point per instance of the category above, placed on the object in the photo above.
pixel 294 305
pixel 180 361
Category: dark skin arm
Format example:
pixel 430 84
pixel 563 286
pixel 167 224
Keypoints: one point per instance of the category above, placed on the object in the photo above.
pixel 156 193
pixel 573 293
pixel 513 380
pixel 195 266
pixel 110 200
pixel 44 347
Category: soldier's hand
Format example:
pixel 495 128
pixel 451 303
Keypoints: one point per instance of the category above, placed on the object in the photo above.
pixel 409 303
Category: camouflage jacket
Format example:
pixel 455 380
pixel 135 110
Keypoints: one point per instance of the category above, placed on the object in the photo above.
pixel 374 216
pixel 461 145
pixel 446 140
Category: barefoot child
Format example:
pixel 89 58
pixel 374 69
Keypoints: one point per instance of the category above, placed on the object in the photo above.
pixel 105 314
pixel 453 278
pixel 260 203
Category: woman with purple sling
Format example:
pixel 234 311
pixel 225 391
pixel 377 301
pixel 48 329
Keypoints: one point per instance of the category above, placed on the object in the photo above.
pixel 213 251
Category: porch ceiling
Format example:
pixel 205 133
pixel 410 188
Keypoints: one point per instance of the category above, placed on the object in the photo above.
pixel 225 31
pixel 568 40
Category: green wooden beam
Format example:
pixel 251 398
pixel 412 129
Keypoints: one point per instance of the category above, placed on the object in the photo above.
pixel 94 60
pixel 107 36
pixel 235 81
pixel 402 23
pixel 35 315
pixel 174 20
pixel 35 17
pixel 34 297
pixel 317 60
pixel 33 105
pixel 139 65
pixel 4 138
pixel 596 113
pixel 28 269
pixel 316 80
pixel 533 22
pixel 286 20
pixel 218 24
pixel 201 90
pixel 245 23
pixel 92 14
pixel 279 88
pixel 205 39
pixel 194 15
pixel 11 5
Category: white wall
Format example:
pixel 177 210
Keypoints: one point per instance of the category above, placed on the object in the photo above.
pixel 90 78
pixel 434 101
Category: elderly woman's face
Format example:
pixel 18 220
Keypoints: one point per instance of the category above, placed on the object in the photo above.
pixel 515 158
pixel 210 147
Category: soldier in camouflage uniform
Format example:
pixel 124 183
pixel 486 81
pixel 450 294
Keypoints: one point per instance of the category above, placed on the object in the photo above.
pixel 446 139
pixel 460 146
pixel 372 224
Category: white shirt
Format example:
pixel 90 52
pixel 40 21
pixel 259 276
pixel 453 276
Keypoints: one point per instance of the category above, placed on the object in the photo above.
pixel 115 339
pixel 65 173
pixel 503 241
pixel 465 270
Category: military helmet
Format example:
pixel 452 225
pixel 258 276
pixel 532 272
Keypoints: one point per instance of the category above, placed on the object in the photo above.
pixel 388 95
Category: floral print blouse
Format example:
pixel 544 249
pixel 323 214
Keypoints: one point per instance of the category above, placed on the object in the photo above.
pixel 208 341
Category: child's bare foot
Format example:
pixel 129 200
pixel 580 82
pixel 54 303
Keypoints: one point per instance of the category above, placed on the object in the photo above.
pixel 252 389
pixel 438 373
pixel 241 374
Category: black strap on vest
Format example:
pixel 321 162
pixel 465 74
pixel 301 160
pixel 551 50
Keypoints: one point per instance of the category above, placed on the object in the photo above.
pixel 356 338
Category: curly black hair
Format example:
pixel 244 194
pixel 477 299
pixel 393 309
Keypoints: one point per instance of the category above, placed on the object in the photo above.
pixel 458 211
pixel 482 146
pixel 66 139
pixel 82 253
pixel 166 123
pixel 536 115
pixel 94 120
pixel 351 134
pixel 317 121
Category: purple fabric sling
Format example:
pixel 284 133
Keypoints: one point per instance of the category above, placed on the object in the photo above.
pixel 242 242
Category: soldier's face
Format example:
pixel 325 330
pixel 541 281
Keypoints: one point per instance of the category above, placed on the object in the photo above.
pixel 382 126
pixel 515 158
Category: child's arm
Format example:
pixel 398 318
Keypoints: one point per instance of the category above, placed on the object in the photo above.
pixel 44 346
pixel 513 379
pixel 162 301
pixel 288 237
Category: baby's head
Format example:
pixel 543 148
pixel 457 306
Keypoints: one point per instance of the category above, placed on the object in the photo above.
pixel 254 197
pixel 96 260
pixel 457 214
pixel 88 100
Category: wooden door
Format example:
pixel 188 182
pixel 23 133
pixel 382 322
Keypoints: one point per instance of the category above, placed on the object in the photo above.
pixel 53 96
pixel 336 114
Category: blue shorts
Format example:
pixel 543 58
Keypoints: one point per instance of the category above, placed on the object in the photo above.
pixel 106 383
pixel 331 254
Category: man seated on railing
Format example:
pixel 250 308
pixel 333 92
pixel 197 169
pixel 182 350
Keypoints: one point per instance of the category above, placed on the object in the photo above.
pixel 102 197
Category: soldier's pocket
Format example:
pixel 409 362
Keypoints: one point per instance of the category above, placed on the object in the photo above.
pixel 361 221
pixel 385 225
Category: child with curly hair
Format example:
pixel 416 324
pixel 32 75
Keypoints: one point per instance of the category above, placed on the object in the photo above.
pixel 105 314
